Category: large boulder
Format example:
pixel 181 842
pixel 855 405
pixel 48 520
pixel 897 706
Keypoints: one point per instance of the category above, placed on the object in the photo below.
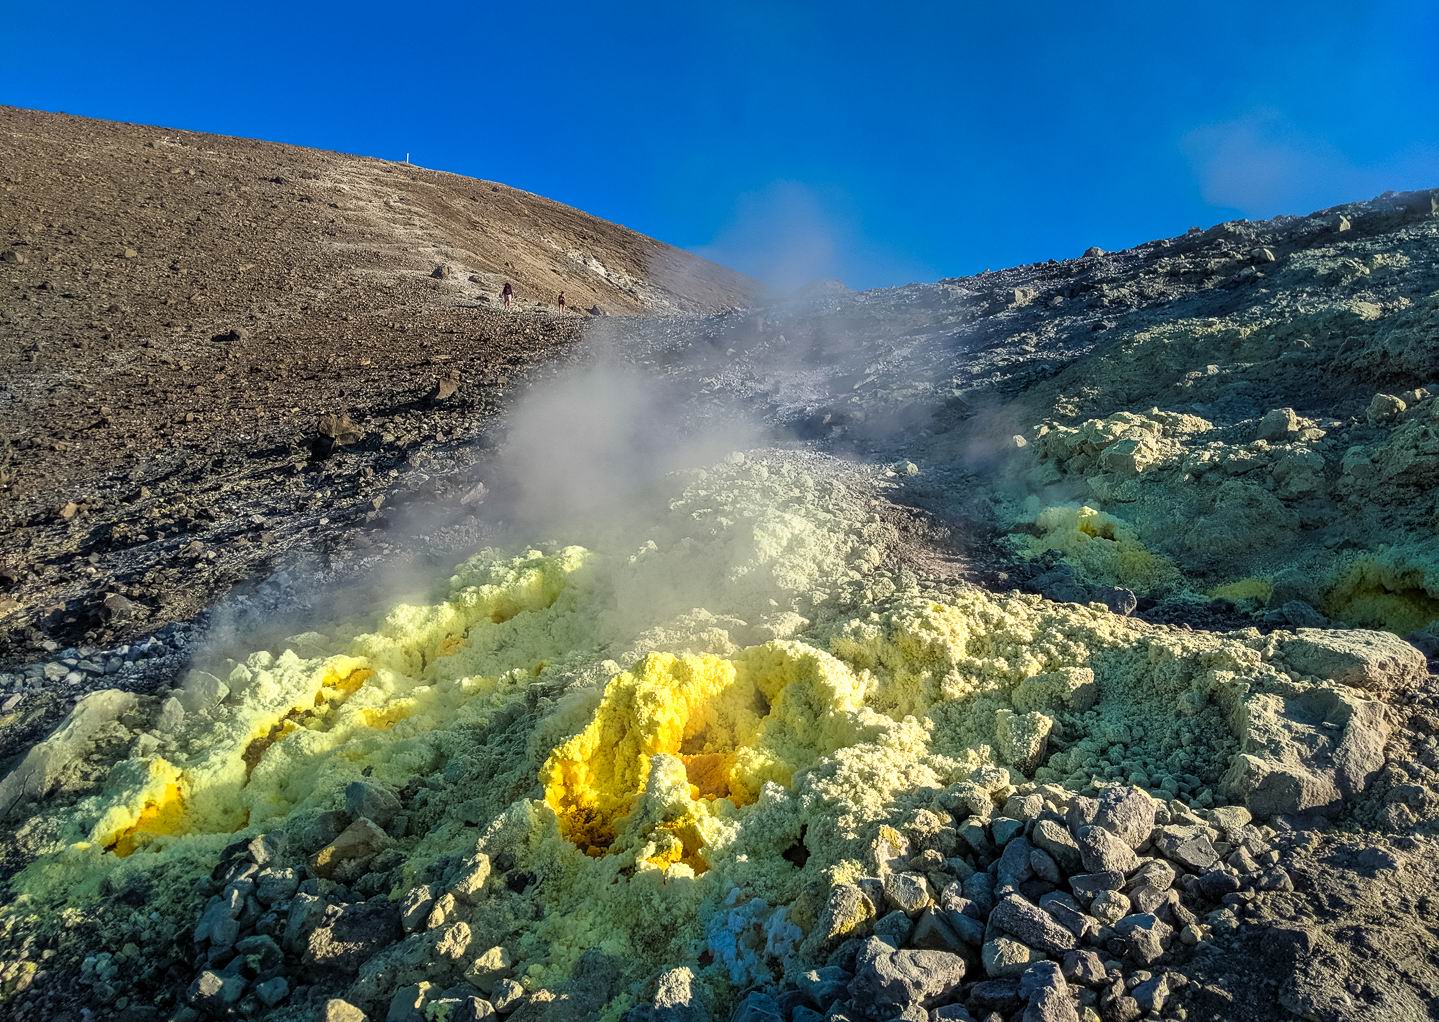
pixel 40 770
pixel 1306 750
pixel 1376 662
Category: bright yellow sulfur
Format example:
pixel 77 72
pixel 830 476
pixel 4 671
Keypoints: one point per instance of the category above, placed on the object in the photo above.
pixel 1253 590
pixel 734 724
pixel 659 729
pixel 1394 589
pixel 1101 548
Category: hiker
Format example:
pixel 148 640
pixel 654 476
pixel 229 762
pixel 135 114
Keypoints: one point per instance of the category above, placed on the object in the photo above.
pixel 562 301
pixel 507 296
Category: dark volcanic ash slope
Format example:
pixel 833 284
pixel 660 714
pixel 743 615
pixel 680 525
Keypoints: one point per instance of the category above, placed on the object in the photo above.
pixel 178 312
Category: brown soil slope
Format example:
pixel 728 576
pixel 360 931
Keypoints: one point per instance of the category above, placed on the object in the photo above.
pixel 178 309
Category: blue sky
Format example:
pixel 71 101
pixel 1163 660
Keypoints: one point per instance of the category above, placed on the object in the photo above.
pixel 875 143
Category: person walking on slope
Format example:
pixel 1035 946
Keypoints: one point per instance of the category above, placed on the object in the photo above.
pixel 507 295
pixel 562 301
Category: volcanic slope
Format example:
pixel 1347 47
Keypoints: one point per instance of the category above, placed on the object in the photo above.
pixel 759 742
pixel 178 310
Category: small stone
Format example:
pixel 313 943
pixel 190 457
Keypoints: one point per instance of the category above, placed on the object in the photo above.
pixel 1044 866
pixel 1384 408
pixel 908 892
pixel 1004 956
pixel 1004 829
pixel 415 907
pixel 1084 968
pixel 1048 994
pixel 216 993
pixel 1154 873
pixel 472 1009
pixel 357 844
pixel 408 1003
pixel 1110 907
pixel 994 994
pixel 273 991
pixel 895 928
pixel 1014 867
pixel 823 986
pixel 472 880
pixel 974 834
pixel 1102 851
pixel 1083 926
pixel 1126 812
pixel 365 799
pixel 1188 846
pixel 486 971
pixel 1152 994
pixel 507 995
pixel 1032 925
pixel 446 387
pixel 275 885
pixel 1278 424
pixel 1147 937
pixel 933 932
pixel 1091 885
pixel 888 981
pixel 1214 884
pixel 757 1006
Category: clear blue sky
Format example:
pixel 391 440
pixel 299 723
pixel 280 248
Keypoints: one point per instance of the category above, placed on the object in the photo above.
pixel 876 142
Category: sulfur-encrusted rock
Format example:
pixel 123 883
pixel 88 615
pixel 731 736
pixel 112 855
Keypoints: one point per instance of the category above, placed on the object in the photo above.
pixel 845 911
pixel 1023 738
pixel 1374 661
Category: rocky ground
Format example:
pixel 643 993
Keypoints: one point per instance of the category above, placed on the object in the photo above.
pixel 220 358
pixel 236 421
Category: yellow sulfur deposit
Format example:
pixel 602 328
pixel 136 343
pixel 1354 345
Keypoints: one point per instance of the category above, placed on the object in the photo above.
pixel 1255 590
pixel 657 728
pixel 1101 547
pixel 1396 588
pixel 733 724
